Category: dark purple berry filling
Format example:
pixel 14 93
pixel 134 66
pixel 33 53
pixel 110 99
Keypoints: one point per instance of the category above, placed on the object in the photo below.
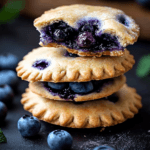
pixel 85 38
pixel 41 64
pixel 67 93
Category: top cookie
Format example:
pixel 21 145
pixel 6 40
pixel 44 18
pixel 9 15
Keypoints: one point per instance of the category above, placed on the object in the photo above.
pixel 87 30
pixel 55 65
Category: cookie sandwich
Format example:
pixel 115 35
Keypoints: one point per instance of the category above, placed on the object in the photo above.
pixel 87 30
pixel 73 86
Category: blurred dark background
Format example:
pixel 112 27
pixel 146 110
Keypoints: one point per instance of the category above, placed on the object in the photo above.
pixel 18 36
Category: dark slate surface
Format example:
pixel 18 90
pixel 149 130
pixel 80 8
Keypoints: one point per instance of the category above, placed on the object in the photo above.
pixel 19 37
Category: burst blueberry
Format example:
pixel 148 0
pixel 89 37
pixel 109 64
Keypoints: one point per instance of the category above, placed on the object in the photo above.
pixel 85 39
pixel 122 19
pixel 3 112
pixel 81 87
pixel 8 77
pixel 41 64
pixel 8 62
pixel 28 126
pixel 57 86
pixel 59 140
pixel 59 35
pixel 87 27
pixel 6 94
pixel 103 147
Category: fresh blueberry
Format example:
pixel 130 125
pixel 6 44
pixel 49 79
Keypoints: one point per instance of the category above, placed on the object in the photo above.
pixel 85 39
pixel 3 111
pixel 103 147
pixel 6 94
pixel 8 62
pixel 41 64
pixel 8 77
pixel 57 86
pixel 145 3
pixel 59 140
pixel 28 126
pixel 59 35
pixel 87 27
pixel 81 87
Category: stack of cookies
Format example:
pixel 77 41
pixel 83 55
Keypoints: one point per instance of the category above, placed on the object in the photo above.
pixel 76 77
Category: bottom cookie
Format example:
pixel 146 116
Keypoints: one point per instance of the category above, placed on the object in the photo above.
pixel 90 114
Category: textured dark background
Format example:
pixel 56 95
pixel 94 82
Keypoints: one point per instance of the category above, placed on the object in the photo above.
pixel 19 37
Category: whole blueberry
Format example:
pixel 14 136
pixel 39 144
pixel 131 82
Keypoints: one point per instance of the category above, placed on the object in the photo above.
pixel 59 35
pixel 29 126
pixel 81 87
pixel 85 39
pixel 59 140
pixel 8 62
pixel 145 3
pixel 57 86
pixel 6 94
pixel 3 111
pixel 8 77
pixel 70 32
pixel 103 147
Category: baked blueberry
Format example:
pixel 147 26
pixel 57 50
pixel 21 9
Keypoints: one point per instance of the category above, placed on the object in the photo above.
pixel 8 62
pixel 8 77
pixel 28 126
pixel 41 64
pixel 6 94
pixel 59 140
pixel 103 147
pixel 57 86
pixel 3 111
pixel 122 19
pixel 85 39
pixel 81 87
pixel 87 27
pixel 59 35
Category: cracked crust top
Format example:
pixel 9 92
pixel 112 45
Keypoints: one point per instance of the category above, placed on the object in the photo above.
pixel 61 68
pixel 91 114
pixel 107 16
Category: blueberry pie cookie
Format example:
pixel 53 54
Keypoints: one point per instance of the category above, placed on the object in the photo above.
pixel 104 112
pixel 78 91
pixel 87 30
pixel 51 64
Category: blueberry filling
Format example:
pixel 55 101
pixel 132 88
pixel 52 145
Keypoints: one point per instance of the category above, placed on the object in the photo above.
pixel 69 90
pixel 41 64
pixel 85 38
